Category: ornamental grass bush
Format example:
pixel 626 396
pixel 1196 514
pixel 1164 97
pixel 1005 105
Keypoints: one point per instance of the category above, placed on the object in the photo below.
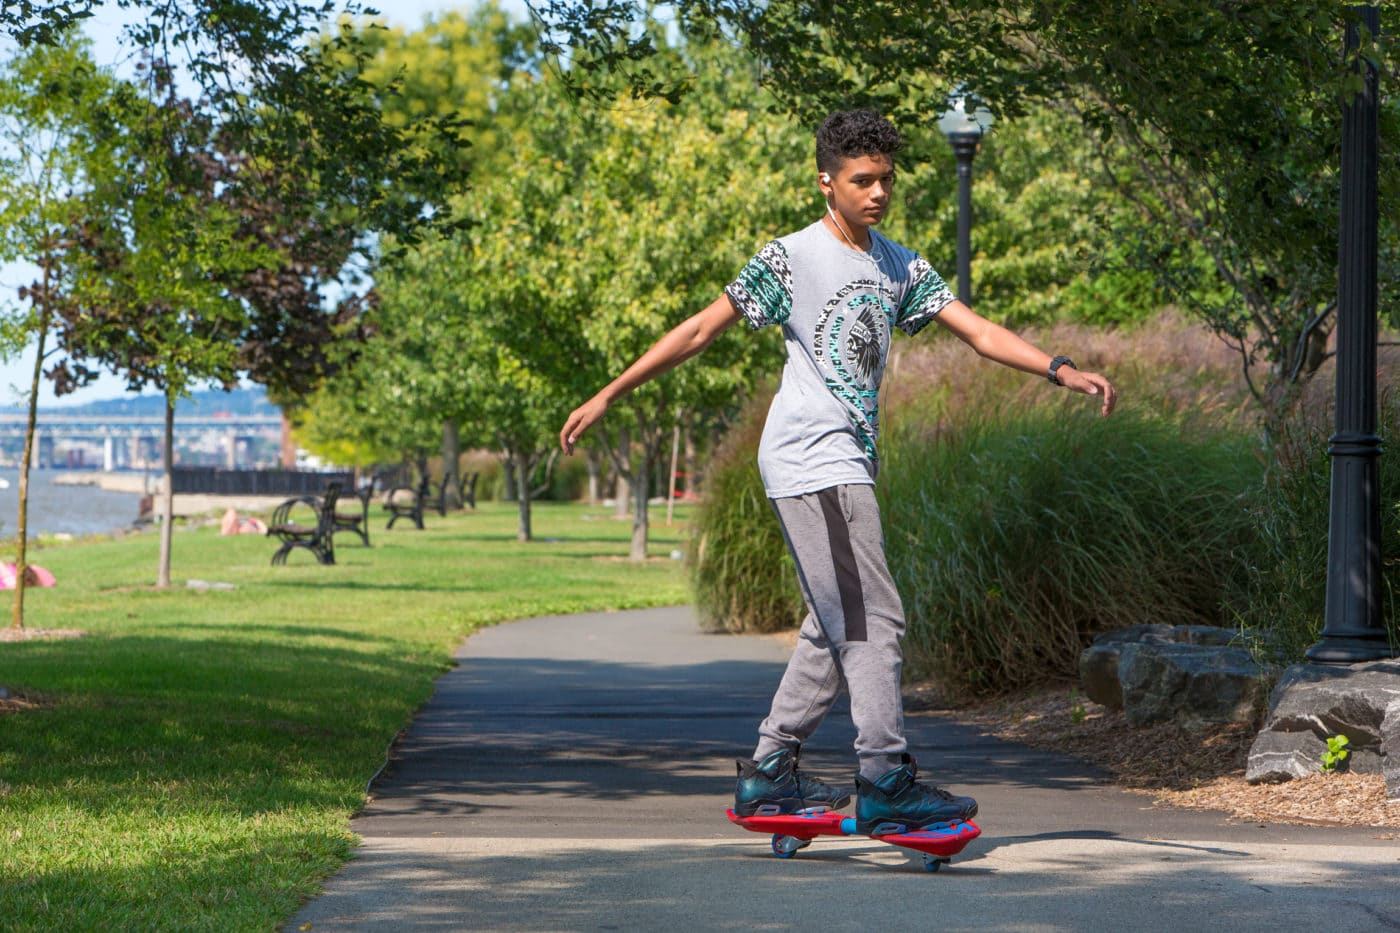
pixel 1017 535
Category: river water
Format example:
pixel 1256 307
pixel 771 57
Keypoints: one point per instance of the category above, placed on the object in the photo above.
pixel 76 510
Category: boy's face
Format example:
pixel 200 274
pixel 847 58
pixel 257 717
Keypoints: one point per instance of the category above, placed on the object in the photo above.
pixel 860 189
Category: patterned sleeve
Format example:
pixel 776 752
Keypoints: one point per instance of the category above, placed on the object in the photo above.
pixel 927 295
pixel 763 290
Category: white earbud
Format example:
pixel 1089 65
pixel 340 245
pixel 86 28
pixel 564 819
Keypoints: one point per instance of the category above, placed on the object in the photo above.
pixel 826 178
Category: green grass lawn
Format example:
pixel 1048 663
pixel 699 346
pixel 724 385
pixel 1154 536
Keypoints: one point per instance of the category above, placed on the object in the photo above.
pixel 194 759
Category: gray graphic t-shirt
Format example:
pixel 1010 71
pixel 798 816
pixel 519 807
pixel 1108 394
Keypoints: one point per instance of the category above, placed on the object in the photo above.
pixel 837 308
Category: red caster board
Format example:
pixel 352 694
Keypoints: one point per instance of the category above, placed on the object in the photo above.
pixel 793 831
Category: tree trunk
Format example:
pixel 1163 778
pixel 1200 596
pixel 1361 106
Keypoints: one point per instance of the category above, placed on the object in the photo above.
pixel 451 453
pixel 509 476
pixel 167 527
pixel 671 479
pixel 522 486
pixel 593 458
pixel 22 532
pixel 641 477
pixel 690 468
pixel 287 448
pixel 623 461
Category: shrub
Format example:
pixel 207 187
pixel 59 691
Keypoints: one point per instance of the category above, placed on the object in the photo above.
pixel 1014 537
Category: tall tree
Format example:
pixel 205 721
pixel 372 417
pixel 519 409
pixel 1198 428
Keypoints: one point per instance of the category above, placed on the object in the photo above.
pixel 458 68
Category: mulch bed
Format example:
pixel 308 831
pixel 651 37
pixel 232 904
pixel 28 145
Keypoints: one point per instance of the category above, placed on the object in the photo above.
pixel 1200 770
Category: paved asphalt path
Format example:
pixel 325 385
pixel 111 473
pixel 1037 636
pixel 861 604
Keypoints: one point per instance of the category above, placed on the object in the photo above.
pixel 571 773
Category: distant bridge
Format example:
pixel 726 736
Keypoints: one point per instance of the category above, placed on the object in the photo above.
pixel 134 441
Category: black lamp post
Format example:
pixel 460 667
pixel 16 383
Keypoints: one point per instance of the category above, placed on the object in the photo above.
pixel 964 131
pixel 1353 629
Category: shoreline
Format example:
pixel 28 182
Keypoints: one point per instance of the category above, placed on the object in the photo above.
pixel 132 481
pixel 186 505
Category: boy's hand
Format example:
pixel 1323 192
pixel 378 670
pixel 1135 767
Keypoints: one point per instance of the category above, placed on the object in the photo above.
pixel 1090 384
pixel 582 418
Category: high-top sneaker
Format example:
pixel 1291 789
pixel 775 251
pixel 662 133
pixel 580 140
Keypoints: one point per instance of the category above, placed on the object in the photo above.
pixel 897 802
pixel 775 785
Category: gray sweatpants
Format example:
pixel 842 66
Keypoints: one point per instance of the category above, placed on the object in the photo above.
pixel 852 633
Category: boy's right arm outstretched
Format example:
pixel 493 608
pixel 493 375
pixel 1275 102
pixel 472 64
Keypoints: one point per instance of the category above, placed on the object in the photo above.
pixel 679 344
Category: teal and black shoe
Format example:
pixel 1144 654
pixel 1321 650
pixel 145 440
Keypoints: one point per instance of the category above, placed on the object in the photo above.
pixel 897 802
pixel 775 785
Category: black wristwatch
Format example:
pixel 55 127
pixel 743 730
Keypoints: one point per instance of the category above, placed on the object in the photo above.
pixel 1054 372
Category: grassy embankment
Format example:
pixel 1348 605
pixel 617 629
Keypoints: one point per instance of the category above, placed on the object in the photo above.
pixel 191 762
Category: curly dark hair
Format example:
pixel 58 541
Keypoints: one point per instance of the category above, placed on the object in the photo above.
pixel 848 134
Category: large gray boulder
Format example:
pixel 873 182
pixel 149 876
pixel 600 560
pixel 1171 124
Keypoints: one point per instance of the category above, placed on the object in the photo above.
pixel 1098 664
pixel 1390 750
pixel 1194 675
pixel 1313 702
pixel 1192 685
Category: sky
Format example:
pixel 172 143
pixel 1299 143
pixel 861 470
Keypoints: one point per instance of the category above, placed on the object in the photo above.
pixel 103 28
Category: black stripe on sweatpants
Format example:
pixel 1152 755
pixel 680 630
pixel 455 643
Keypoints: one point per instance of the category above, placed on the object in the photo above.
pixel 843 558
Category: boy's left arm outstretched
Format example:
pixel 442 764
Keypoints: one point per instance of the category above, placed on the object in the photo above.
pixel 996 343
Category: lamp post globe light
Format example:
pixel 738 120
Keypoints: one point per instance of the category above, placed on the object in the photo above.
pixel 964 131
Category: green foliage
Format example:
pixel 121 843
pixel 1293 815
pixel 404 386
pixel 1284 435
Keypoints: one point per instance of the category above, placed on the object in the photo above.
pixel 1218 122
pixel 1077 712
pixel 195 758
pixel 32 23
pixel 456 67
pixel 1335 754
pixel 1043 238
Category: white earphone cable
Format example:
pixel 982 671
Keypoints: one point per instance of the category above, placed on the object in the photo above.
pixel 870 255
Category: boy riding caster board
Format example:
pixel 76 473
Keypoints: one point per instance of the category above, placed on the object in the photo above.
pixel 838 290
pixel 794 831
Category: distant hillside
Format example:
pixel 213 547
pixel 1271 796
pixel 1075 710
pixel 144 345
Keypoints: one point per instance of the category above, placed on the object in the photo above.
pixel 249 401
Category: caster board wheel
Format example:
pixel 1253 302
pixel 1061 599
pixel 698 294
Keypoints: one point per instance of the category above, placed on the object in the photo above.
pixel 794 831
pixel 937 843
pixel 787 846
pixel 791 831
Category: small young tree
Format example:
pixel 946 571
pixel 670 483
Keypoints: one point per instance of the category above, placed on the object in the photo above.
pixel 48 96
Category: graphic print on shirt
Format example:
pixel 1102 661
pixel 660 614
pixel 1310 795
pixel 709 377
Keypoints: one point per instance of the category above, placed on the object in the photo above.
pixel 851 339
